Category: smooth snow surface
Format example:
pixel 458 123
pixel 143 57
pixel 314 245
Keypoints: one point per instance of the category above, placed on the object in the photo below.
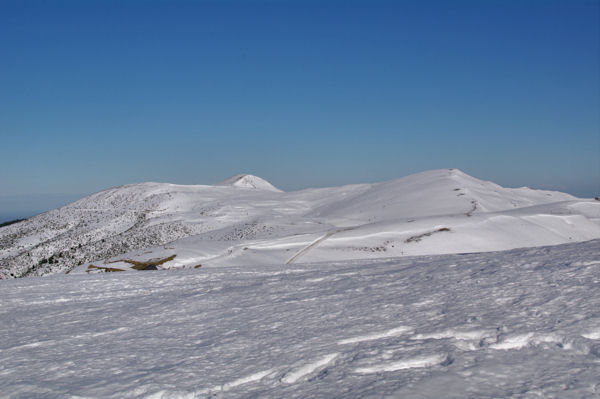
pixel 245 221
pixel 523 323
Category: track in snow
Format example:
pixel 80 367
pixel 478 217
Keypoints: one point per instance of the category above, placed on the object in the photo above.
pixel 319 240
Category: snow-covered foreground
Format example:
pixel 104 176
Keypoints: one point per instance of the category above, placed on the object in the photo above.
pixel 521 323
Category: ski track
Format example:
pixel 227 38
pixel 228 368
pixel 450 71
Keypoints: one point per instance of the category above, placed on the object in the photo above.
pixel 521 323
pixel 309 247
pixel 312 245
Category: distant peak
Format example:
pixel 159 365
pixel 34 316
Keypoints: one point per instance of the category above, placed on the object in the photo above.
pixel 248 181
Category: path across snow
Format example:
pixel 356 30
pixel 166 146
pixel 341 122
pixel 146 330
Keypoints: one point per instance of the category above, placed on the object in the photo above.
pixel 313 244
pixel 309 247
pixel 521 323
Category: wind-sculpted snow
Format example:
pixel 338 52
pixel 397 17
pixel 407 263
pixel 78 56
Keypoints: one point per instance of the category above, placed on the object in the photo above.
pixel 523 323
pixel 245 220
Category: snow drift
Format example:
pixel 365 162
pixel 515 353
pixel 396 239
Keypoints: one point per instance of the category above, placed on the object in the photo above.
pixel 516 324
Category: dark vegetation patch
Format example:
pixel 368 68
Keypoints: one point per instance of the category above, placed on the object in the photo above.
pixel 473 209
pixel 11 222
pixel 380 248
pixel 419 237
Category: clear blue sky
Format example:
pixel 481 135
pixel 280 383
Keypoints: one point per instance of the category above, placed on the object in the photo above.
pixel 95 94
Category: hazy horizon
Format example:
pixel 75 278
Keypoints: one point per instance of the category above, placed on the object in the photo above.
pixel 98 94
pixel 22 206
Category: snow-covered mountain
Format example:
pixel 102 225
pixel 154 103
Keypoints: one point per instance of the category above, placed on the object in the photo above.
pixel 249 181
pixel 315 293
pixel 246 220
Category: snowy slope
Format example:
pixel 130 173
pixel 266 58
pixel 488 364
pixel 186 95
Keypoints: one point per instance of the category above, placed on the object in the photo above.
pixel 433 193
pixel 245 220
pixel 518 324
pixel 249 181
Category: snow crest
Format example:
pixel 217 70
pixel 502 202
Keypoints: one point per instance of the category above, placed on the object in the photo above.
pixel 249 181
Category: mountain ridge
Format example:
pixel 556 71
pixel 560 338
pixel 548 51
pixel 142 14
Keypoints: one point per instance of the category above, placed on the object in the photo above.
pixel 245 219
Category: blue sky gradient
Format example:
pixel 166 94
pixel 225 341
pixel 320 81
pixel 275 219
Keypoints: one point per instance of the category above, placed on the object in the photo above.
pixel 95 94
